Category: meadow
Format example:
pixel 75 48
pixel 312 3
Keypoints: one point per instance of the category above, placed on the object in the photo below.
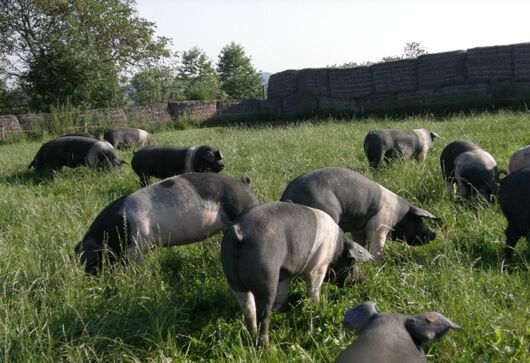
pixel 176 306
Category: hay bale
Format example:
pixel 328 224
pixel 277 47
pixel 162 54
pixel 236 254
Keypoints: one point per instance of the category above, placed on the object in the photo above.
pixel 350 82
pixel 333 104
pixel 463 96
pixel 441 69
pixel 394 76
pixel 299 105
pixel 282 84
pixel 521 61
pixel 312 82
pixel 9 125
pixel 489 63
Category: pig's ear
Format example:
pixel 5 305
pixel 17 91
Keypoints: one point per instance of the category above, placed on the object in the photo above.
pixel 434 135
pixel 357 252
pixel 422 213
pixel 219 155
pixel 209 156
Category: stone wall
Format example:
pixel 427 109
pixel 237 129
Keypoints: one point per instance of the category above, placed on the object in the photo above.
pixel 458 80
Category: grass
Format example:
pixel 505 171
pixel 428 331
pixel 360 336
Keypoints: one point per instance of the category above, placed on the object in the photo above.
pixel 176 306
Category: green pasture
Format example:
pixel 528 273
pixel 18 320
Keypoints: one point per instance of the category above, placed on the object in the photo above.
pixel 176 306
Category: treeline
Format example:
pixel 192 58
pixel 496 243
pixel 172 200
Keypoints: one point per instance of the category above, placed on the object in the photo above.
pixel 92 54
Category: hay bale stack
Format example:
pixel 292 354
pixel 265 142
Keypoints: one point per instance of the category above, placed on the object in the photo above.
pixel 490 63
pixel 442 69
pixel 394 76
pixel 282 84
pixel 350 82
pixel 332 105
pixel 521 61
pixel 299 105
pixel 312 82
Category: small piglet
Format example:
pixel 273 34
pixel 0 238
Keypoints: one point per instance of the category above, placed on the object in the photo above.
pixel 361 206
pixel 470 167
pixel 126 137
pixel 74 151
pixel 388 144
pixel 176 211
pixel 514 199
pixel 391 338
pixel 269 245
pixel 165 161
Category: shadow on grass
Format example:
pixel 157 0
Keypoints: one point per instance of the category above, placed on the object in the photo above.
pixel 27 177
pixel 139 323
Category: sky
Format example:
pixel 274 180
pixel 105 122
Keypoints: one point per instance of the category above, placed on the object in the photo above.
pixel 295 34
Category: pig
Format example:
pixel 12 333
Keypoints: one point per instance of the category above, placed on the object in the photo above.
pixel 73 151
pixel 361 206
pixel 391 338
pixel 471 168
pixel 514 199
pixel 176 211
pixel 520 159
pixel 388 144
pixel 270 244
pixel 126 137
pixel 165 161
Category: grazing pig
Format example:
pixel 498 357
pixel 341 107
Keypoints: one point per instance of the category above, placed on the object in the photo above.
pixel 471 168
pixel 126 137
pixel 165 161
pixel 270 244
pixel 73 151
pixel 520 159
pixel 179 210
pixel 391 338
pixel 361 206
pixel 387 144
pixel 514 199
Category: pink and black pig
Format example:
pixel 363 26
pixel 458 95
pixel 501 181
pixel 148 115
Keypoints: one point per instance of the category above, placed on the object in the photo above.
pixel 389 144
pixel 74 151
pixel 176 211
pixel 471 168
pixel 165 161
pixel 272 243
pixel 366 209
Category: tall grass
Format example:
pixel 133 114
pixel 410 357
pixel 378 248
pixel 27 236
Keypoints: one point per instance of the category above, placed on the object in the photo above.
pixel 176 306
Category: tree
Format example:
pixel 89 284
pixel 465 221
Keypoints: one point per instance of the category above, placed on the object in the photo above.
pixel 100 39
pixel 196 77
pixel 413 50
pixel 154 84
pixel 239 79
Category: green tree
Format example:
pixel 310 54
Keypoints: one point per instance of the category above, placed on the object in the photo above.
pixel 196 76
pixel 98 39
pixel 239 79
pixel 154 84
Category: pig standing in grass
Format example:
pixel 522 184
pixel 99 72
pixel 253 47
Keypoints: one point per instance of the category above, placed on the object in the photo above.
pixel 165 161
pixel 126 137
pixel 391 338
pixel 269 245
pixel 520 159
pixel 73 151
pixel 361 206
pixel 176 211
pixel 514 199
pixel 388 144
pixel 471 168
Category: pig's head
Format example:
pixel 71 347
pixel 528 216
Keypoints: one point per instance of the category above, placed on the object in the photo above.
pixel 89 253
pixel 107 156
pixel 351 253
pixel 411 228
pixel 427 327
pixel 209 160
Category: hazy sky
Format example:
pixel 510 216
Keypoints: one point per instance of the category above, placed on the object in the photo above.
pixel 294 34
